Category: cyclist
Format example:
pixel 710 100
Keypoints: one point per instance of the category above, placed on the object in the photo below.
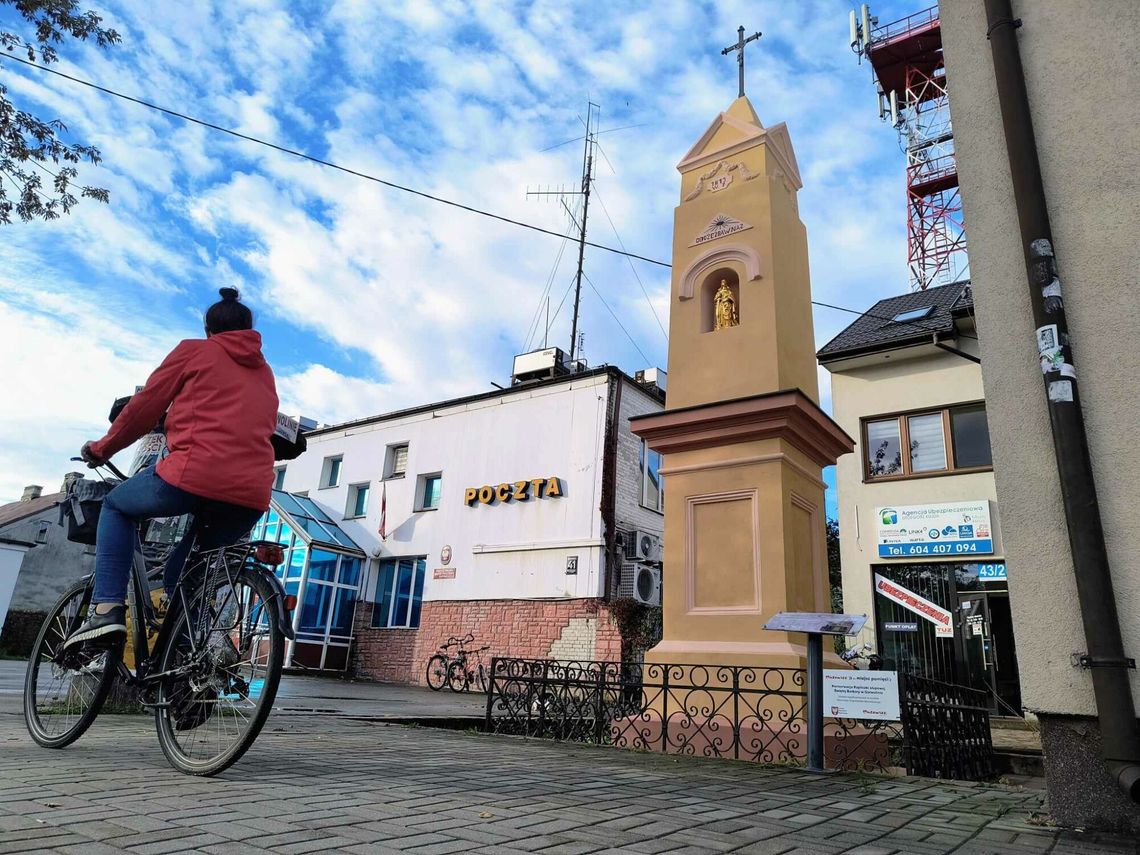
pixel 219 400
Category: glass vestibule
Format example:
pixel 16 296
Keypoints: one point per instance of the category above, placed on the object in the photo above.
pixel 323 569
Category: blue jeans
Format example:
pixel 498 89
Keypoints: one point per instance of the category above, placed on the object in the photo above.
pixel 145 496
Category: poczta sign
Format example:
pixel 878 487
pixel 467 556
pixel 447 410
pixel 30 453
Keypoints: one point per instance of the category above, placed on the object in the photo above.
pixel 517 491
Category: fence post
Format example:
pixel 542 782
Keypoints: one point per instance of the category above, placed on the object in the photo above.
pixel 491 692
pixel 815 701
pixel 600 706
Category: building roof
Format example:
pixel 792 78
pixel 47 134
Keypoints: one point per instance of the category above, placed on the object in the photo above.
pixel 877 328
pixel 310 523
pixel 482 396
pixel 15 511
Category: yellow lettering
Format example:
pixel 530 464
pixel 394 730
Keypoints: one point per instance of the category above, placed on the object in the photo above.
pixel 486 495
pixel 537 484
pixel 470 495
pixel 520 494
pixel 503 492
pixel 553 488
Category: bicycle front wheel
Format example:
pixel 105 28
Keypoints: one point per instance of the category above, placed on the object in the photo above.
pixel 437 672
pixel 457 676
pixel 65 689
pixel 226 658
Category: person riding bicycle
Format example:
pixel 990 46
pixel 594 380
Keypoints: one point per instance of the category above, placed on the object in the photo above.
pixel 219 400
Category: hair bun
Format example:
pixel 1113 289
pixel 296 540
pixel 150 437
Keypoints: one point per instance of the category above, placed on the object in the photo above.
pixel 230 295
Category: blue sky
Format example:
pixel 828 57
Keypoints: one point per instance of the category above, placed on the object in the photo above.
pixel 370 299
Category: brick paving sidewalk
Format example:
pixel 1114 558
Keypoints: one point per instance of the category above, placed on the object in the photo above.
pixel 314 784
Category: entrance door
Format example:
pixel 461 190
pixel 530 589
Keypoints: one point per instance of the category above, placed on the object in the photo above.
pixel 984 630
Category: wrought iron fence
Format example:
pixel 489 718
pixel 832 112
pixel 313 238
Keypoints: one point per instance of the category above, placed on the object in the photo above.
pixel 736 712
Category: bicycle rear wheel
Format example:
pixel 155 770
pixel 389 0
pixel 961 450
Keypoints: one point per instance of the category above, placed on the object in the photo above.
pixel 227 666
pixel 457 678
pixel 65 689
pixel 437 672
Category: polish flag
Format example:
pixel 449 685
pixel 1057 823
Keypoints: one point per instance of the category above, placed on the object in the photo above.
pixel 384 512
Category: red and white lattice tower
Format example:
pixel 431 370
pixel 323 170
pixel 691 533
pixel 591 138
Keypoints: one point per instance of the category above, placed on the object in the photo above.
pixel 910 74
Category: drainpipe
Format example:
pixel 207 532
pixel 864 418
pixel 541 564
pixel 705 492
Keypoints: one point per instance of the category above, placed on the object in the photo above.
pixel 1120 732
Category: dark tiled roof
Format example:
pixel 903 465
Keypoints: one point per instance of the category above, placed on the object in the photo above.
pixel 875 330
pixel 19 510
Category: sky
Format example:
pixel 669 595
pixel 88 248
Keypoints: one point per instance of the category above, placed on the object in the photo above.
pixel 370 299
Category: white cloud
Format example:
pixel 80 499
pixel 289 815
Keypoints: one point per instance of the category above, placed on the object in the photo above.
pixel 373 299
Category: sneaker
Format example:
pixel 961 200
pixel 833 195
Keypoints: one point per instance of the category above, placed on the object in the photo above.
pixel 106 626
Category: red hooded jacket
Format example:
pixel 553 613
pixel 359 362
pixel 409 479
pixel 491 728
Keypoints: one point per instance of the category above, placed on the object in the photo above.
pixel 221 409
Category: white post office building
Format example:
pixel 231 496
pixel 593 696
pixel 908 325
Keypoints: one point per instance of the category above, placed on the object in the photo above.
pixel 516 515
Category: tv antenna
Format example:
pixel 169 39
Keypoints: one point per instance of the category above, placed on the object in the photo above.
pixel 591 143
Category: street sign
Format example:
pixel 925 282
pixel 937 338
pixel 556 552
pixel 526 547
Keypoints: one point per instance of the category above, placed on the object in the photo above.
pixel 900 627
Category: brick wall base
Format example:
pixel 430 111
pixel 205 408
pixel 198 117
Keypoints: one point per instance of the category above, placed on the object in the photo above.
pixel 540 629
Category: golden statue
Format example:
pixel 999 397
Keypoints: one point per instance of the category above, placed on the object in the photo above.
pixel 724 307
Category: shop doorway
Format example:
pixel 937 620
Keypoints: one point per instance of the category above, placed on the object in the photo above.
pixel 984 634
pixel 980 653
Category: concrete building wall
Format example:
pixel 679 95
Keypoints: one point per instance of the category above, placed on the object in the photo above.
pixel 1082 76
pixel 52 566
pixel 890 383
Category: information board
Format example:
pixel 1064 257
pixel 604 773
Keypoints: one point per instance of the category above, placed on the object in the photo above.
pixel 949 528
pixel 861 694
pixel 820 622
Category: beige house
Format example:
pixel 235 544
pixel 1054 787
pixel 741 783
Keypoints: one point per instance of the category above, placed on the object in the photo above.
pixel 1081 77
pixel 920 532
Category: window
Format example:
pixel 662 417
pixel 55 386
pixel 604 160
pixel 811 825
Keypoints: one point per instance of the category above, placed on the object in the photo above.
pixel 399 593
pixel 652 490
pixel 396 464
pixel 912 315
pixel 971 436
pixel 357 501
pixel 428 492
pixel 330 474
pixel 279 478
pixel 42 534
pixel 948 440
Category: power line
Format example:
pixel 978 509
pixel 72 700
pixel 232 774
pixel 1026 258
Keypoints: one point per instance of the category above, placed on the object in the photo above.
pixel 634 269
pixel 391 184
pixel 300 154
pixel 648 361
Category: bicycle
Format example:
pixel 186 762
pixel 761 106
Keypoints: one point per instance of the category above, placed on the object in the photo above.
pixel 440 662
pixel 212 674
pixel 460 675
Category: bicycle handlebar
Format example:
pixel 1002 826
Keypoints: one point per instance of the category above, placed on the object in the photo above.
pixel 108 465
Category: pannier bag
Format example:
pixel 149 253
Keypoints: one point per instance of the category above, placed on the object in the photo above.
pixel 80 508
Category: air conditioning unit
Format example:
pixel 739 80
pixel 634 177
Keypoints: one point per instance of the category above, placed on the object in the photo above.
pixel 654 377
pixel 641 582
pixel 642 546
pixel 539 365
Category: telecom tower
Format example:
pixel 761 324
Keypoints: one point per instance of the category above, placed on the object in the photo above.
pixel 910 75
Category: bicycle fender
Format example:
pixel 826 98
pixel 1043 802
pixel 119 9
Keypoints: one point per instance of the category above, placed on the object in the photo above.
pixel 278 600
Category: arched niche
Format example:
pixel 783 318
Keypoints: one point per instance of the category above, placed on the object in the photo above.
pixel 708 289
pixel 735 255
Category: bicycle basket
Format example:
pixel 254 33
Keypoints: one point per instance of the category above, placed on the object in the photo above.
pixel 80 508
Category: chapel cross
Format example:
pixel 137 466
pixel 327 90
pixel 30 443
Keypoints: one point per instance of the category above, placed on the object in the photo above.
pixel 739 48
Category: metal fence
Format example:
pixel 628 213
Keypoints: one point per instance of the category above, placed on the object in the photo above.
pixel 736 712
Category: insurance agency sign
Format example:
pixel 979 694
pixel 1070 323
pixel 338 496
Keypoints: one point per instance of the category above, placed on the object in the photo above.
pixel 950 528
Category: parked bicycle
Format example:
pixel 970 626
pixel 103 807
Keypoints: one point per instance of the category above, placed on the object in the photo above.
pixel 458 670
pixel 211 675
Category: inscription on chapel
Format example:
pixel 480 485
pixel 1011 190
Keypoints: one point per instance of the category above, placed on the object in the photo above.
pixel 720 226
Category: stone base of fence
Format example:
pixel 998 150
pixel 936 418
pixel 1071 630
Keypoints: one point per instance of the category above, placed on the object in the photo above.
pixel 847 748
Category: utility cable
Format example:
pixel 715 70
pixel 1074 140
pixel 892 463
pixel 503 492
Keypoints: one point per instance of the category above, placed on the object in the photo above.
pixel 532 329
pixel 648 361
pixel 300 154
pixel 391 184
pixel 621 243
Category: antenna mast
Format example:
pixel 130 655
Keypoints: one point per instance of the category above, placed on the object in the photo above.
pixel 590 143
